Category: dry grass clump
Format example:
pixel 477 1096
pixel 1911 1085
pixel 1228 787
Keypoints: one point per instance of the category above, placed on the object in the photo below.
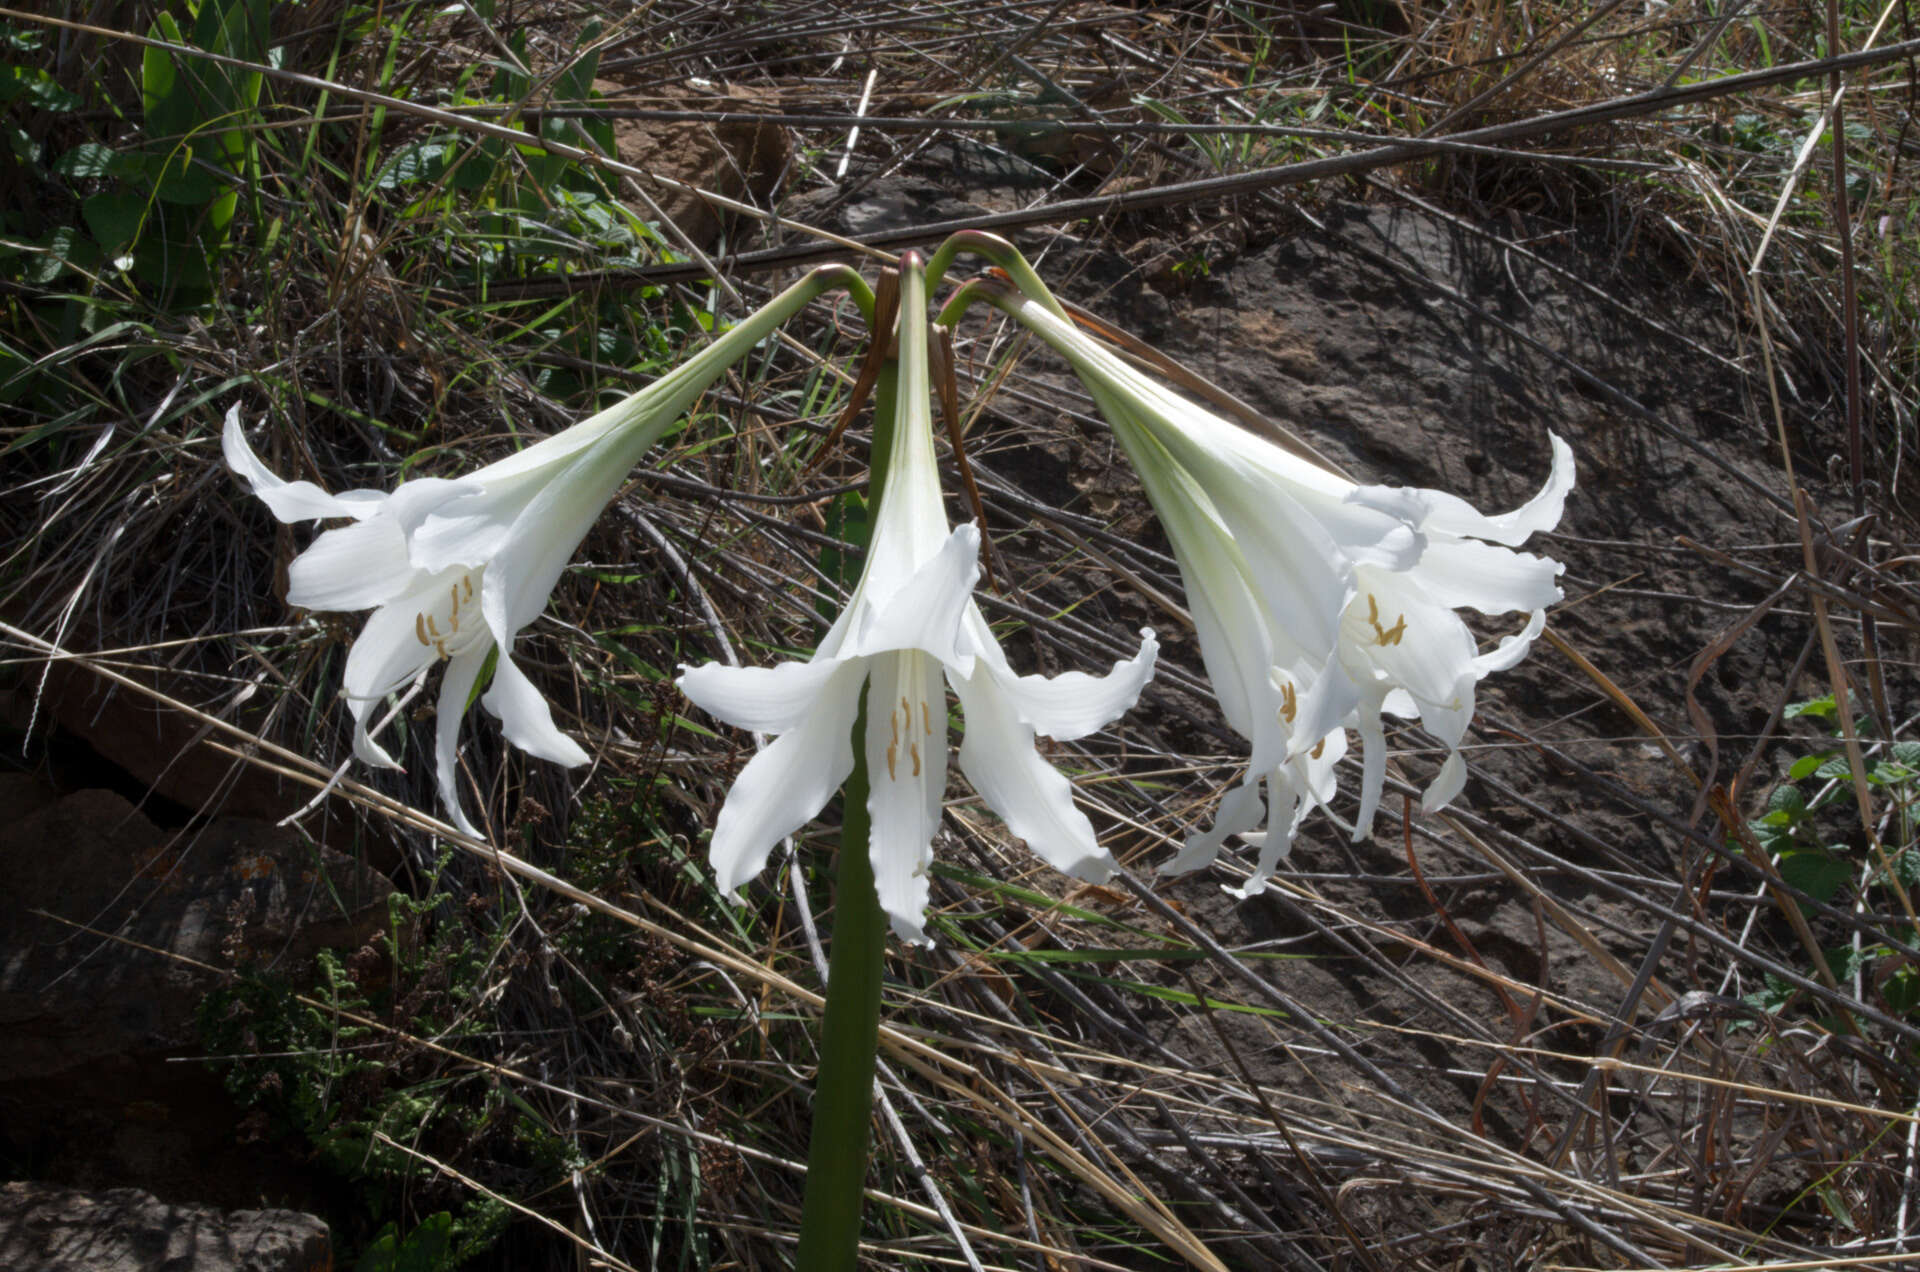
pixel 1075 1077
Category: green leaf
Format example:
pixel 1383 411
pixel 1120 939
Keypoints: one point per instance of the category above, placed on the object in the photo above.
pixel 177 179
pixel 114 218
pixel 415 161
pixel 1805 766
pixel 1785 799
pixel 1906 869
pixel 1901 991
pixel 38 88
pixel 424 1250
pixel 60 251
pixel 1815 872
pixel 88 159
pixel 846 520
pixel 157 76
pixel 1833 767
pixel 1822 708
pixel 1843 960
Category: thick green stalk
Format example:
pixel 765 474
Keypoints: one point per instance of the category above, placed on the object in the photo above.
pixel 850 1035
pixel 850 1030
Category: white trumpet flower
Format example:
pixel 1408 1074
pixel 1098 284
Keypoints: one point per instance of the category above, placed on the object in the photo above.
pixel 454 569
pixel 911 619
pixel 1320 604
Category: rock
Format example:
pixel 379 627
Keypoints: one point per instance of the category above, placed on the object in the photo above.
pixel 162 748
pixel 98 1082
pixel 53 1229
pixel 742 160
pixel 167 912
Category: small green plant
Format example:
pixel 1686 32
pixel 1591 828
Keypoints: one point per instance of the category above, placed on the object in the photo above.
pixel 1811 830
pixel 320 1077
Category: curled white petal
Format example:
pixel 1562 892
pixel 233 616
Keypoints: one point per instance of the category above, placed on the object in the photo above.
pixel 289 500
pixel 1072 704
pixel 925 610
pixel 783 786
pixel 1032 797
pixel 1453 515
pixel 456 686
pixel 526 720
pixel 761 699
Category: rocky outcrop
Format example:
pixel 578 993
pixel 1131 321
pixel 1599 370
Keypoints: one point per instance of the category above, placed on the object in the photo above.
pixel 741 159
pixel 112 930
pixel 51 1229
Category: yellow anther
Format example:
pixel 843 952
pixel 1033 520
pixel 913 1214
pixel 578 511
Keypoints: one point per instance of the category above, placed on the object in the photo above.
pixel 894 720
pixel 432 627
pixel 1289 702
pixel 1384 635
pixel 1319 749
pixel 926 722
pixel 420 628
pixel 913 749
pixel 466 583
pixel 893 753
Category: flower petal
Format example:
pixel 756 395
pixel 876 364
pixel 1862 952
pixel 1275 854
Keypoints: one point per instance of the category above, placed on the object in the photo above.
pixel 1373 768
pixel 761 699
pixel 1240 811
pixel 456 685
pixel 529 559
pixel 525 718
pixel 925 612
pixel 352 568
pixel 1453 515
pixel 1073 703
pixel 781 788
pixel 906 781
pixel 1493 580
pixel 290 500
pixel 386 655
pixel 1432 654
pixel 1511 649
pixel 1446 784
pixel 1031 796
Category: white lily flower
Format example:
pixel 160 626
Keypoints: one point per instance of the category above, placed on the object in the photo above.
pixel 454 569
pixel 1320 604
pixel 910 619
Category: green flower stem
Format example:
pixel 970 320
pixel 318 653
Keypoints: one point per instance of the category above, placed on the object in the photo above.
pixel 850 1036
pixel 830 1217
pixel 997 251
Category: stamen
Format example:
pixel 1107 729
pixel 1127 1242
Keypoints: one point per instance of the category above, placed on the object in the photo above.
pixel 926 724
pixel 1289 702
pixel 420 628
pixel 1384 635
pixel 432 628
pixel 894 720
pixel 1319 749
pixel 913 749
pixel 466 582
pixel 893 752
pixel 441 647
